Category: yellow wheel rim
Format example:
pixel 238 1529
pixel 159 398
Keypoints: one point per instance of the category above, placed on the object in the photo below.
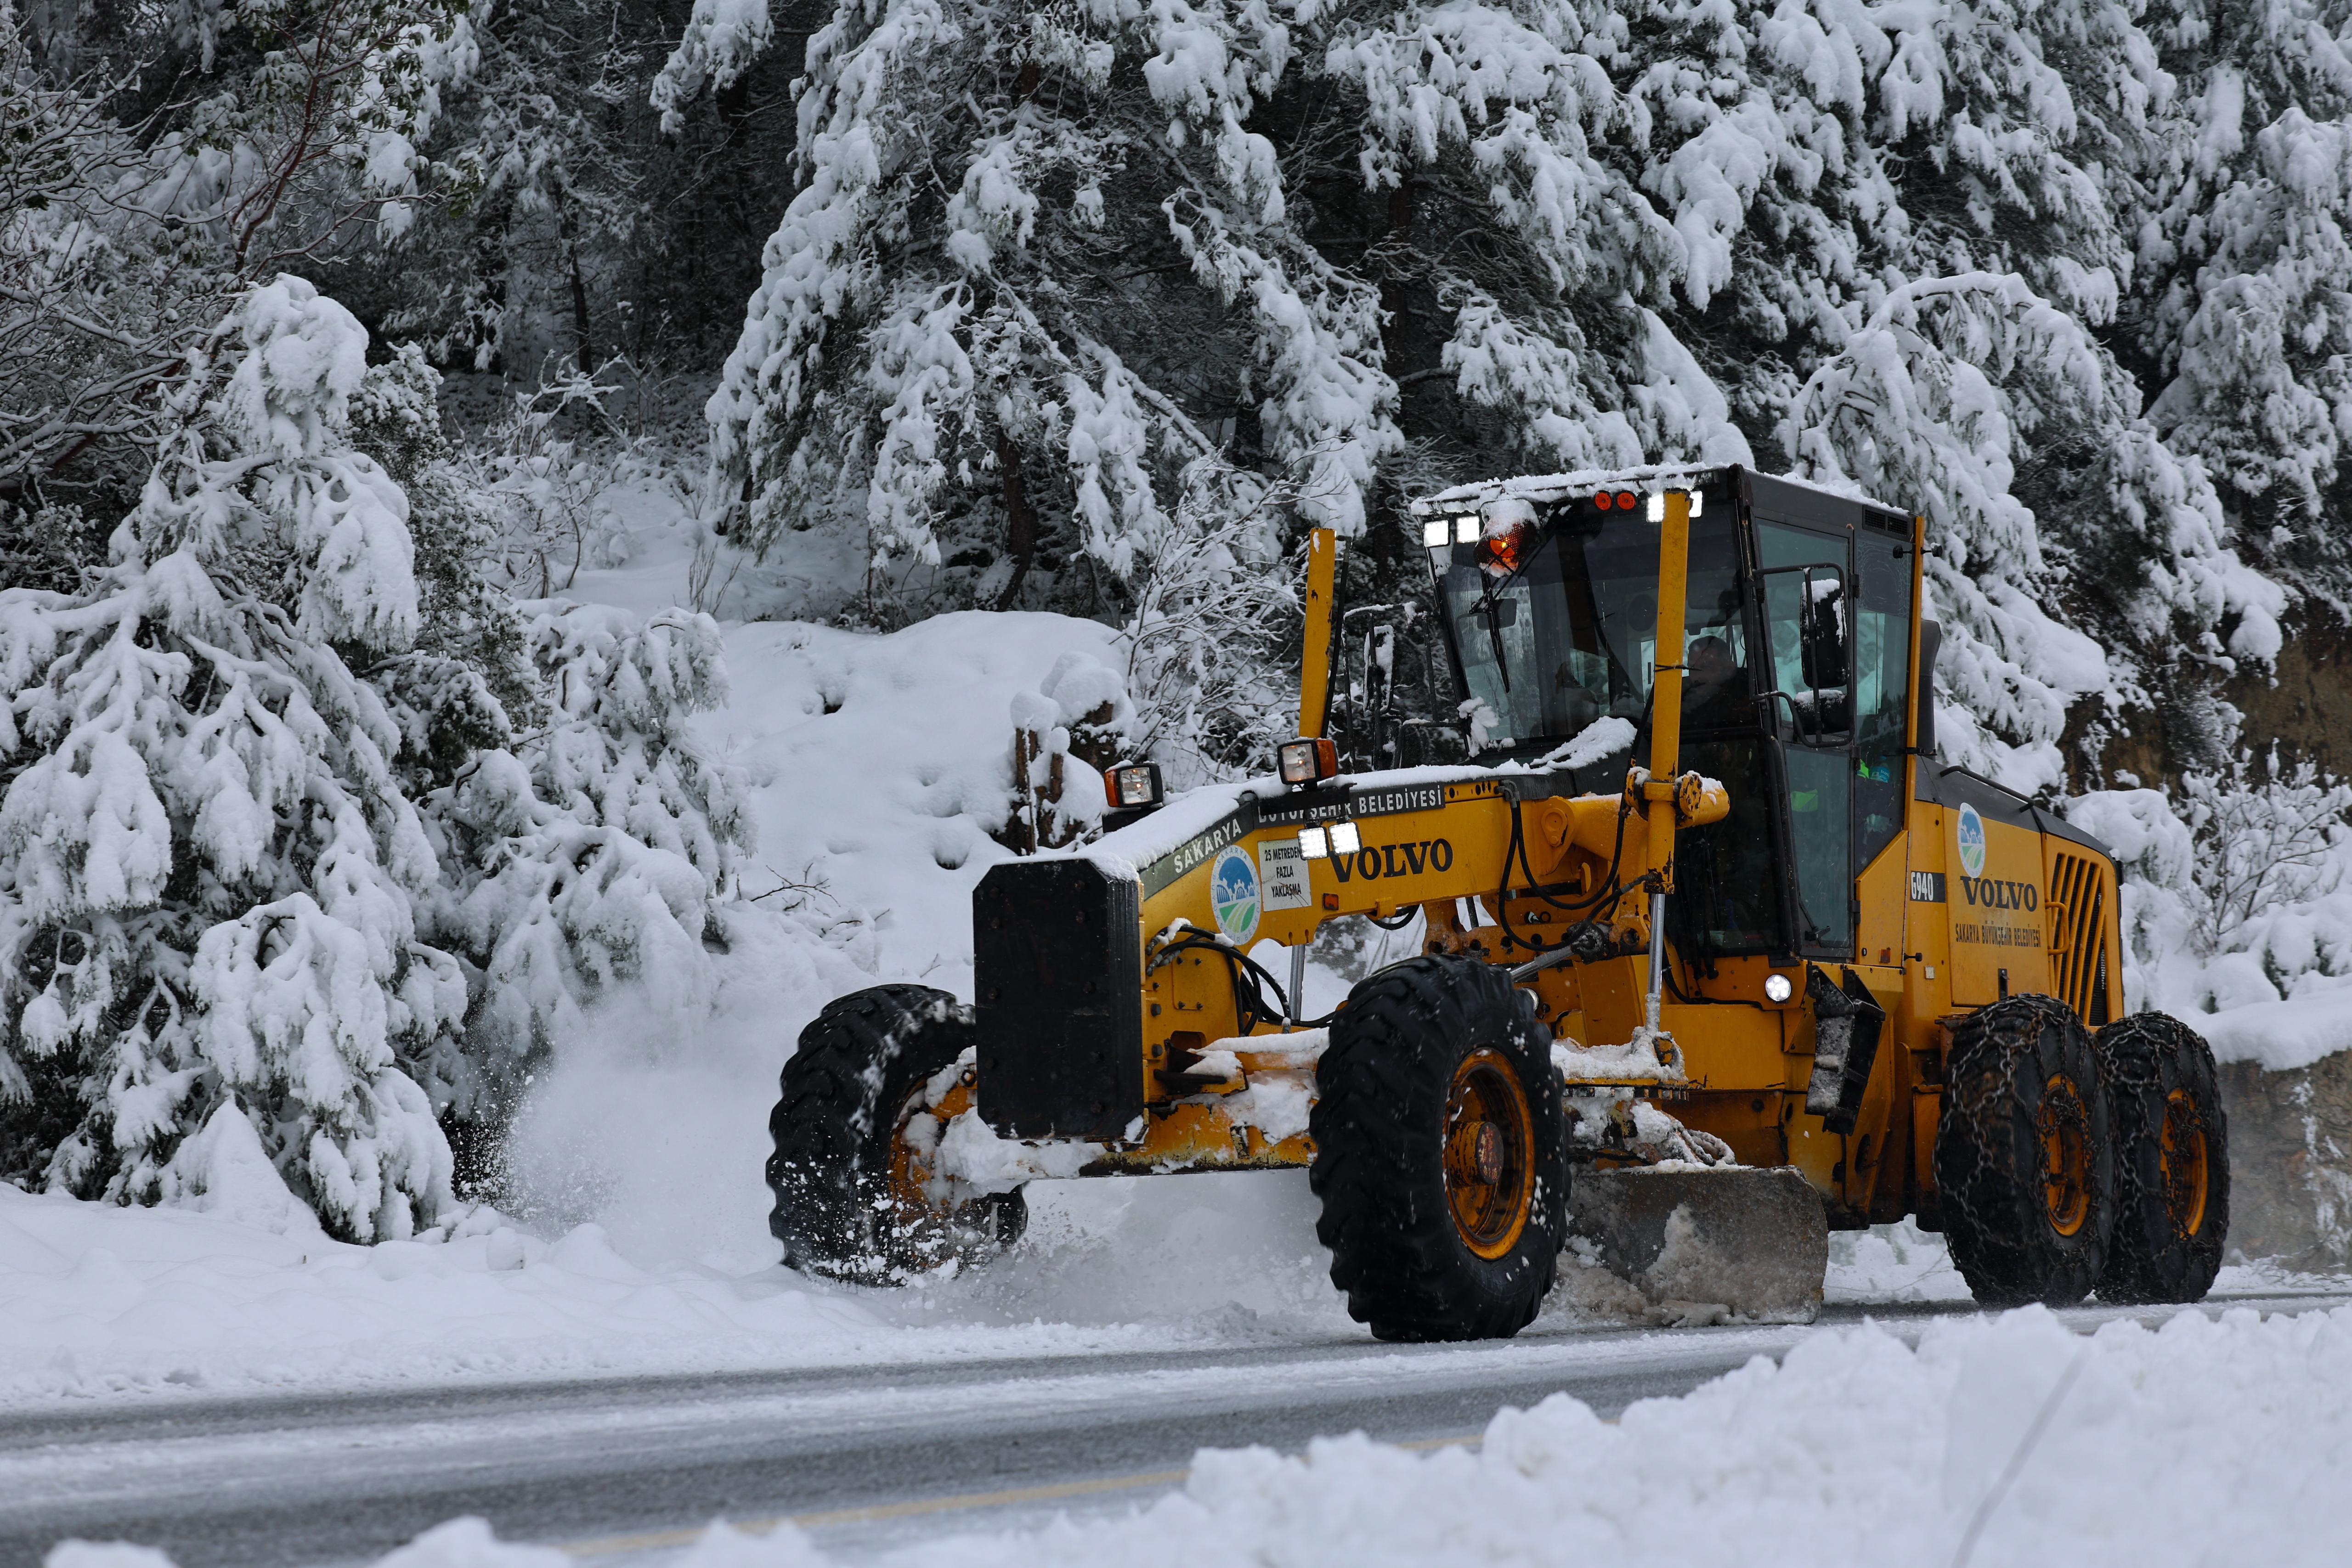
pixel 2066 1128
pixel 912 1216
pixel 1490 1155
pixel 2181 1157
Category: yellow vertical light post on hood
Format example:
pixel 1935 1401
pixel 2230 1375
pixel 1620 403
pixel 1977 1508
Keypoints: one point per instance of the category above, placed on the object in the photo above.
pixel 1671 511
pixel 1315 666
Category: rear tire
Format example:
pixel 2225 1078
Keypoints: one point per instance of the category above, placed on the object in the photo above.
pixel 2172 1161
pixel 1441 1153
pixel 2024 1154
pixel 862 1072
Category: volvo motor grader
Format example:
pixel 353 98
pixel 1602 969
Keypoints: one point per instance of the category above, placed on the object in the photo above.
pixel 1715 956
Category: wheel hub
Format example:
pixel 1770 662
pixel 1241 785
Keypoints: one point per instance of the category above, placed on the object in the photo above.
pixel 1489 1154
pixel 2065 1134
pixel 2181 1158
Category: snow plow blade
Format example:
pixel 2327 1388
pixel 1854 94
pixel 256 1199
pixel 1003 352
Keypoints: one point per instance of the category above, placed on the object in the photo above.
pixel 1699 1245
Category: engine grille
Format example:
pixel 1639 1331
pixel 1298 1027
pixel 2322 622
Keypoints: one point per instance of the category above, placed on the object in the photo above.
pixel 2079 968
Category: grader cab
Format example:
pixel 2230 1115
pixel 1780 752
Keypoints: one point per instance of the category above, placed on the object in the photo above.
pixel 1714 957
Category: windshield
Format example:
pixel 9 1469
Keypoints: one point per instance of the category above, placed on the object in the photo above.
pixel 1572 637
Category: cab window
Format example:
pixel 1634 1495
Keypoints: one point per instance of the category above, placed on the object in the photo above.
pixel 1726 896
pixel 1809 629
pixel 1882 685
pixel 1560 629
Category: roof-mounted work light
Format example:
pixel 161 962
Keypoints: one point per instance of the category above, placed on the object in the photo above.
pixel 1133 786
pixel 1307 761
pixel 1657 508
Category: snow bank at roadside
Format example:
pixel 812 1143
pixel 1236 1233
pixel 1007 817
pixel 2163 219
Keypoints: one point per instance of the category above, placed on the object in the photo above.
pixel 2008 1441
pixel 96 1300
pixel 880 763
pixel 878 766
pixel 2282 1036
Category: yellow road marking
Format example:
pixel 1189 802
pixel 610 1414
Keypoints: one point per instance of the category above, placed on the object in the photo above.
pixel 913 1508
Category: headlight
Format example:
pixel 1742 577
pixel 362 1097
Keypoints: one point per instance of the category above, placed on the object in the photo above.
pixel 1314 843
pixel 1778 988
pixel 1344 840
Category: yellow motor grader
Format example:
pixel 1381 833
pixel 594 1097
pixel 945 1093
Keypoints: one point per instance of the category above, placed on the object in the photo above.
pixel 1715 956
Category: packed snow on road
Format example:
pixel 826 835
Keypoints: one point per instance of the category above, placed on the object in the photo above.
pixel 2008 1440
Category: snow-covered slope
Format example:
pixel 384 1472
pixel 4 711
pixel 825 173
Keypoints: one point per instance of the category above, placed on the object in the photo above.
pixel 881 764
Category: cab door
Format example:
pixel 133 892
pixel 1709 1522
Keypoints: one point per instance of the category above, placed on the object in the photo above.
pixel 1805 603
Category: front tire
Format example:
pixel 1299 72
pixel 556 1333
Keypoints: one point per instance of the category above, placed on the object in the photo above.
pixel 858 1112
pixel 2025 1155
pixel 1441 1153
pixel 2172 1161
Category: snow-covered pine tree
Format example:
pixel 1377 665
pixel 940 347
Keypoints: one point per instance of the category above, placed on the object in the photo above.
pixel 1040 261
pixel 1939 398
pixel 206 863
pixel 2242 314
pixel 1918 223
pixel 272 854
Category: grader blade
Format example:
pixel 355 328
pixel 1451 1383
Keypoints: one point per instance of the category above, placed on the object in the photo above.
pixel 1698 1244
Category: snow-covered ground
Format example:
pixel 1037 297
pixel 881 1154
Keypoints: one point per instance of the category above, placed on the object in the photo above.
pixel 105 1302
pixel 1994 1441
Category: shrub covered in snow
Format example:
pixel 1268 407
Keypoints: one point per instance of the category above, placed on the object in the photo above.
pixel 2240 893
pixel 590 852
pixel 270 847
pixel 207 868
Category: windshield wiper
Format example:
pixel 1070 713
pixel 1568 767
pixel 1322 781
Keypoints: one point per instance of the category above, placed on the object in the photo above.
pixel 1499 613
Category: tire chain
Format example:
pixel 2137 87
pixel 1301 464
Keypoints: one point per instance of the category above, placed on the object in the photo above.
pixel 1987 1156
pixel 2146 1057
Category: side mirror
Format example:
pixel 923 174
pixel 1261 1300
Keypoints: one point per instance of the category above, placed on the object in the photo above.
pixel 1821 629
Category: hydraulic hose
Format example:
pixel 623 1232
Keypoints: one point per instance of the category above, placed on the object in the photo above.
pixel 1250 1007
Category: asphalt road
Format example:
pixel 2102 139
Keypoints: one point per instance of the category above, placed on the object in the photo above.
pixel 865 1456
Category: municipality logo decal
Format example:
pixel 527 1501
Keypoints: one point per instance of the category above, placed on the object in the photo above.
pixel 1233 893
pixel 1972 842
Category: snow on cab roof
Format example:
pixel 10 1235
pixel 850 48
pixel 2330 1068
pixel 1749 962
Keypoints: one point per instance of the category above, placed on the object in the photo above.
pixel 1552 486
